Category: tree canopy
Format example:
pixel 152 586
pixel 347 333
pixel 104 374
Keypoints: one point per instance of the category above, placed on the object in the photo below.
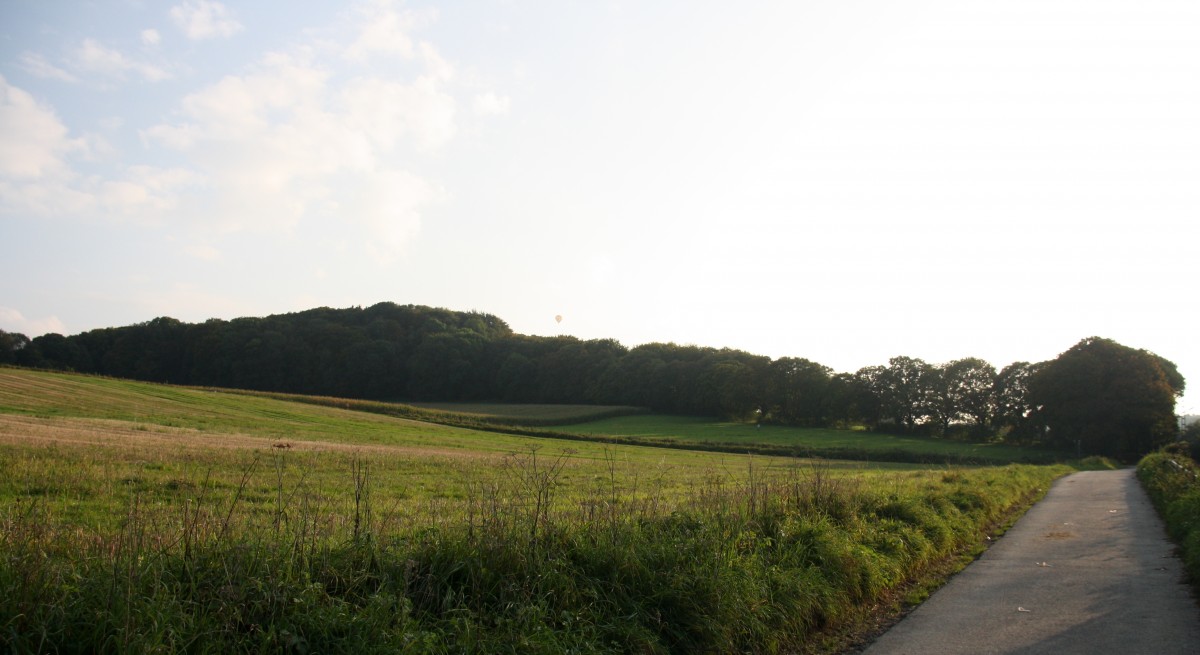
pixel 10 344
pixel 1099 397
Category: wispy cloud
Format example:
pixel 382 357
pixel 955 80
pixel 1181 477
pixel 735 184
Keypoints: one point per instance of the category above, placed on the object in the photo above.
pixel 38 65
pixel 389 205
pixel 490 104
pixel 33 141
pixel 12 320
pixel 326 131
pixel 387 31
pixel 203 251
pixel 304 134
pixel 145 193
pixel 200 19
pixel 37 175
pixel 94 57
pixel 386 112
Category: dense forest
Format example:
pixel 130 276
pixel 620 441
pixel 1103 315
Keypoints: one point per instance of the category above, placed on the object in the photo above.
pixel 409 352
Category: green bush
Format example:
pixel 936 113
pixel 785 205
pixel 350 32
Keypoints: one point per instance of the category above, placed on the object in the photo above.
pixel 1172 480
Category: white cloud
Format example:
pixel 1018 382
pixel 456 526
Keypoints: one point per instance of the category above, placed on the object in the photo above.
pixel 386 31
pixel 187 302
pixel 200 19
pixel 33 142
pixel 145 193
pixel 39 66
pixel 36 176
pixel 437 69
pixel 490 104
pixel 313 134
pixel 386 112
pixel 389 205
pixel 239 107
pixel 140 195
pixel 12 320
pixel 203 252
pixel 265 141
pixel 94 57
pixel 294 137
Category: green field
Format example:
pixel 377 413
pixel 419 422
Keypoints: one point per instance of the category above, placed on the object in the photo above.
pixel 137 517
pixel 803 441
pixel 84 445
pixel 532 414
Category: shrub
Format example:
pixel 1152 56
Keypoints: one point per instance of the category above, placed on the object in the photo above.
pixel 1172 480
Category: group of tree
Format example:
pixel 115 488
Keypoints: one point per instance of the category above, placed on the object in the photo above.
pixel 1098 397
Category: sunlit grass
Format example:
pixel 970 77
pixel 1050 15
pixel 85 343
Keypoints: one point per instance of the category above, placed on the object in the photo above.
pixel 532 413
pixel 702 431
pixel 139 518
pixel 84 444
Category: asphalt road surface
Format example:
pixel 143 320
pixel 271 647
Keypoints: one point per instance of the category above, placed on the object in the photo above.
pixel 1088 569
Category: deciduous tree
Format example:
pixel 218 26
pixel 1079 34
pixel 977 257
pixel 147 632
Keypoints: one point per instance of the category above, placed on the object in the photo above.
pixel 10 343
pixel 968 390
pixel 1103 398
pixel 1014 411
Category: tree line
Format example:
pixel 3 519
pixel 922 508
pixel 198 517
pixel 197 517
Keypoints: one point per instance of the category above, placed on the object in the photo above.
pixel 1091 398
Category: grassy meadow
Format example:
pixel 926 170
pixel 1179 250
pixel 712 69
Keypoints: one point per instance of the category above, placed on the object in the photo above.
pixel 137 517
pixel 531 414
pixel 857 444
pixel 634 426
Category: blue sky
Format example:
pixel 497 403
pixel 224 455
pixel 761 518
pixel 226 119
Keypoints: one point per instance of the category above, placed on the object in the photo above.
pixel 843 181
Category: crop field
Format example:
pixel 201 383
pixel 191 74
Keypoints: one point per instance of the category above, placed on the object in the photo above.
pixel 865 445
pixel 86 445
pixel 137 517
pixel 532 414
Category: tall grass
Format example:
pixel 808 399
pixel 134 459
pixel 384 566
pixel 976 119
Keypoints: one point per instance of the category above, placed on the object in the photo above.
pixel 1172 480
pixel 268 561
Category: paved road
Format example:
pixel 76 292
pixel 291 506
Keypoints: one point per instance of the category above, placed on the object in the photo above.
pixel 1087 570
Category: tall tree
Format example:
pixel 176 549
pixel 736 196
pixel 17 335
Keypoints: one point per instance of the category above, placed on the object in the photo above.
pixel 851 401
pixel 905 387
pixel 1103 398
pixel 864 396
pixel 799 391
pixel 968 388
pixel 10 343
pixel 1014 410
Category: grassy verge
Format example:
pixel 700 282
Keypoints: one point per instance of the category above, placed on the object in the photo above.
pixel 739 565
pixel 1172 480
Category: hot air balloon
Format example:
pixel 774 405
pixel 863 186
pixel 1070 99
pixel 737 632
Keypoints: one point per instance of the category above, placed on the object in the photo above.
pixel 558 318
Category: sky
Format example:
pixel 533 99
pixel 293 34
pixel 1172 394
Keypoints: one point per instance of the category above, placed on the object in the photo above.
pixel 840 180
